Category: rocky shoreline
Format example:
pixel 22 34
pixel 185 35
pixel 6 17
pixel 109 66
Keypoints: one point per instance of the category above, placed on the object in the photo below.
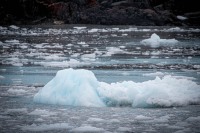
pixel 101 12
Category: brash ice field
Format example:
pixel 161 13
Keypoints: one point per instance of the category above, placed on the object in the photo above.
pixel 75 78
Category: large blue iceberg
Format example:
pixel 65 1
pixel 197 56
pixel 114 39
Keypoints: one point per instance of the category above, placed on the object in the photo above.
pixel 81 88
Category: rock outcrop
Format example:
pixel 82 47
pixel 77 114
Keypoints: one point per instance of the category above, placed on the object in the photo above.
pixel 108 12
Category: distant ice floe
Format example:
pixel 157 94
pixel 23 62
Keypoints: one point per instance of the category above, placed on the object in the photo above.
pixel 181 18
pixel 62 64
pixel 15 30
pixel 155 41
pixel 46 127
pixel 87 129
pixel 81 88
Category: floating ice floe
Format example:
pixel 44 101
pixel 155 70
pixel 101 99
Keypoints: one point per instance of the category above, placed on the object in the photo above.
pixel 155 41
pixel 46 127
pixel 87 129
pixel 81 88
pixel 70 63
pixel 14 27
pixel 181 18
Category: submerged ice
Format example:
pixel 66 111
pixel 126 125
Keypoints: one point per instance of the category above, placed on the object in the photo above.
pixel 81 88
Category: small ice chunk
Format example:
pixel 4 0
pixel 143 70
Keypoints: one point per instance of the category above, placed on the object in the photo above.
pixel 22 110
pixel 193 119
pixel 80 28
pixel 87 129
pixel 14 27
pixel 154 74
pixel 42 112
pixel 93 30
pixel 16 91
pixel 155 41
pixel 46 127
pixel 124 129
pixel 141 117
pixel 81 43
pixel 12 41
pixel 95 120
pixel 181 18
pixel 2 77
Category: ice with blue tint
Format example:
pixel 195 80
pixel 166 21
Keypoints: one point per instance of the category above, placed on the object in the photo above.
pixel 81 88
pixel 71 87
pixel 155 41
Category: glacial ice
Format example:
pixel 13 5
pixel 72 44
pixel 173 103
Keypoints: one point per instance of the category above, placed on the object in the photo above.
pixel 81 88
pixel 71 87
pixel 155 41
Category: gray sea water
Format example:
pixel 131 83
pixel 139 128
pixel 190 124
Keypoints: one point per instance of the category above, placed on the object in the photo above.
pixel 30 57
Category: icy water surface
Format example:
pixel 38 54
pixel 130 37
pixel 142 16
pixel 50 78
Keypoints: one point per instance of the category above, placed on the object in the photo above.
pixel 31 56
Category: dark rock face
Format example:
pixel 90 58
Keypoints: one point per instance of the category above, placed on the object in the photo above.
pixel 108 12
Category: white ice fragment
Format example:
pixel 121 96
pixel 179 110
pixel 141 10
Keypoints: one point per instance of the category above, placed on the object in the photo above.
pixel 12 41
pixel 53 57
pixel 16 91
pixel 14 27
pixel 22 110
pixel 42 112
pixel 87 129
pixel 17 64
pixel 70 63
pixel 2 77
pixel 181 18
pixel 46 127
pixel 81 43
pixel 124 129
pixel 141 117
pixel 155 41
pixel 193 119
pixel 95 120
pixel 80 28
pixel 69 44
pixel 93 30
pixel 154 74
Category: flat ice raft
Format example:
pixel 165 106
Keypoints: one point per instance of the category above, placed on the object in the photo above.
pixel 81 88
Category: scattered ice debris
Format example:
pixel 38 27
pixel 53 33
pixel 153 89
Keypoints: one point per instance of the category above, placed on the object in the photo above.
pixel 87 129
pixel 81 88
pixel 124 129
pixel 155 41
pixel 42 112
pixel 181 18
pixel 21 110
pixel 45 127
pixel 62 64
pixel 113 50
pixel 16 91
pixel 53 57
